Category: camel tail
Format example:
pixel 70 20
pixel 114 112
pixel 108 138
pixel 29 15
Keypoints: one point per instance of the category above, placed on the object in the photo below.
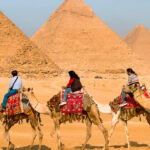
pixel 104 108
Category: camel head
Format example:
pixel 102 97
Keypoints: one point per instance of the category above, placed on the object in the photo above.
pixel 26 91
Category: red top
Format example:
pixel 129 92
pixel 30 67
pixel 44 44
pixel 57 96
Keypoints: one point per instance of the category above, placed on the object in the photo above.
pixel 70 82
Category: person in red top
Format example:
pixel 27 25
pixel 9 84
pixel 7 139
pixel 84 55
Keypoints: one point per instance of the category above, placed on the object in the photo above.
pixel 73 85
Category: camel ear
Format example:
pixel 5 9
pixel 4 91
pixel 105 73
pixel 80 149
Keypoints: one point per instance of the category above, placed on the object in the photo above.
pixel 23 89
pixel 20 90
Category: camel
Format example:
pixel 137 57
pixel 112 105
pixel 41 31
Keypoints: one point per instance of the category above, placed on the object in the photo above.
pixel 10 121
pixel 91 116
pixel 125 116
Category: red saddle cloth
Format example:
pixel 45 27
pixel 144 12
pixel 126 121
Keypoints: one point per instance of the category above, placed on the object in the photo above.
pixel 13 105
pixel 73 103
pixel 146 94
pixel 131 102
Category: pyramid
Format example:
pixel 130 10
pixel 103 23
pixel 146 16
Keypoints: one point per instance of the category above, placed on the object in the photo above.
pixel 139 40
pixel 18 52
pixel 75 38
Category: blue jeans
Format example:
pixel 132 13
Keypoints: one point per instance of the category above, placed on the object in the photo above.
pixel 7 96
pixel 123 95
pixel 67 90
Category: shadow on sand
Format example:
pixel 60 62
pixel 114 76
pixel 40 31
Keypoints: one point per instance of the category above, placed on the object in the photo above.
pixel 133 144
pixel 35 147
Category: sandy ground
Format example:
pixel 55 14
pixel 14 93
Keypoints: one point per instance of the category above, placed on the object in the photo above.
pixel 73 135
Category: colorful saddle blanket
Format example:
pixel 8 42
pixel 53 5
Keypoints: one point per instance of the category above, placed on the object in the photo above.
pixel 13 105
pixel 131 103
pixel 73 103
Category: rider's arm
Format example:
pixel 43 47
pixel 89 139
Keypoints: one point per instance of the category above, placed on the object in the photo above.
pixel 70 82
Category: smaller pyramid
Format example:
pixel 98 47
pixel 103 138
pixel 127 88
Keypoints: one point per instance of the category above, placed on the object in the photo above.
pixel 18 52
pixel 139 40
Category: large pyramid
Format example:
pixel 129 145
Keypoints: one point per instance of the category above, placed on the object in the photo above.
pixel 75 38
pixel 139 40
pixel 18 52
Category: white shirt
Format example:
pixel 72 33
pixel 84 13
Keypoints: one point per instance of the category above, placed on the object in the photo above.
pixel 17 85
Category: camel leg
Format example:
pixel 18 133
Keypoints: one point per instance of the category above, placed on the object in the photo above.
pixel 33 138
pixel 40 137
pixel 115 120
pixel 127 133
pixel 105 133
pixel 57 128
pixel 7 136
pixel 95 118
pixel 88 132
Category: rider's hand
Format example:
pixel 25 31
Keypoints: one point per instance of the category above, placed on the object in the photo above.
pixel 63 87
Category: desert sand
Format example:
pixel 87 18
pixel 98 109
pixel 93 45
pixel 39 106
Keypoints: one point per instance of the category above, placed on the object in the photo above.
pixel 103 90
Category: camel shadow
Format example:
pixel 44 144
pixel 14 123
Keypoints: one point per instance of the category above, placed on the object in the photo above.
pixel 35 147
pixel 133 144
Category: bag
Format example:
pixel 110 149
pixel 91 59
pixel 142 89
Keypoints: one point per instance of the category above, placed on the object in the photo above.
pixel 11 88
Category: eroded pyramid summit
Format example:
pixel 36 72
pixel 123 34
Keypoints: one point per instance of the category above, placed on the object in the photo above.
pixel 139 40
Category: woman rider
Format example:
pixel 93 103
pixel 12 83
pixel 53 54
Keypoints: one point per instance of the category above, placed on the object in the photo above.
pixel 73 85
pixel 133 82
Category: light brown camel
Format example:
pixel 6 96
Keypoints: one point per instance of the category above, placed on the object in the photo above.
pixel 53 108
pixel 127 114
pixel 32 116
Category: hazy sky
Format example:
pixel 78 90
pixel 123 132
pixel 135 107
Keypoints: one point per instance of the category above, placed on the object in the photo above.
pixel 120 15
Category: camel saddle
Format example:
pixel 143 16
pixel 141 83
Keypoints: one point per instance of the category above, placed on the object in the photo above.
pixel 13 105
pixel 139 99
pixel 131 103
pixel 73 103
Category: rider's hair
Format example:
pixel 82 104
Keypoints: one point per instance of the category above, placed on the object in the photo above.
pixel 73 74
pixel 14 73
pixel 131 71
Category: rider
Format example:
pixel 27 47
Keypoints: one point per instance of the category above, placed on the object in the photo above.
pixel 133 82
pixel 73 85
pixel 14 86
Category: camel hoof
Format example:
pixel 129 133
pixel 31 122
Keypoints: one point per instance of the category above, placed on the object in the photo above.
pixel 30 148
pixel 11 146
pixel 106 147
pixel 83 147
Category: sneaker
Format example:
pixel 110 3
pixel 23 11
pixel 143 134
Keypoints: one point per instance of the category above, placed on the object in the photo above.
pixel 62 103
pixel 123 104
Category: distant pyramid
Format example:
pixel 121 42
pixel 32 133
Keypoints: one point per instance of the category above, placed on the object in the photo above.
pixel 75 38
pixel 139 40
pixel 18 52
